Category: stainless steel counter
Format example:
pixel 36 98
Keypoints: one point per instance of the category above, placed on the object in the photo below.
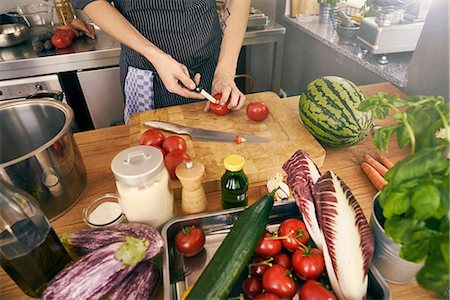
pixel 84 53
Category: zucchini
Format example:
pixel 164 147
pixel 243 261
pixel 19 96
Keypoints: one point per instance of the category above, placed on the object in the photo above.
pixel 231 258
pixel 81 242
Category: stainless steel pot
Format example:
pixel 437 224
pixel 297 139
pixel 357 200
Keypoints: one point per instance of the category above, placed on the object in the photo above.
pixel 39 154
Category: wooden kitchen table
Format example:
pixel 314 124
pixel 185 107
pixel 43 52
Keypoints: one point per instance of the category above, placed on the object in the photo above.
pixel 98 148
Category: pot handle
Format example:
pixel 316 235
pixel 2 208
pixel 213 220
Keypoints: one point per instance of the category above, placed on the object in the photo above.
pixel 53 94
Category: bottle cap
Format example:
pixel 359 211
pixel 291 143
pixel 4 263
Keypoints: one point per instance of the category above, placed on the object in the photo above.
pixel 234 162
pixel 137 164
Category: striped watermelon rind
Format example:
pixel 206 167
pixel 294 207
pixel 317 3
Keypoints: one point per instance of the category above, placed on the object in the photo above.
pixel 328 109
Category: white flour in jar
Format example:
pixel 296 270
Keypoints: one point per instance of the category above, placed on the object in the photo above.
pixel 150 202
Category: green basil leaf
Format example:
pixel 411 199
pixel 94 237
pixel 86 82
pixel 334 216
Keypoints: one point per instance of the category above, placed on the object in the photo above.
pixel 396 203
pixel 418 249
pixel 434 275
pixel 417 165
pixel 425 200
pixel 445 250
pixel 403 138
pixel 382 136
pixel 401 229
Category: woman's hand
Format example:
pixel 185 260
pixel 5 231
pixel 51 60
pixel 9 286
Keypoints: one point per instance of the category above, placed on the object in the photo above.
pixel 175 76
pixel 224 83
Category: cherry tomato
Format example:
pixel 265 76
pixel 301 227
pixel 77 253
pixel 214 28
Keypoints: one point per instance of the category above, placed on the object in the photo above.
pixel 174 143
pixel 296 230
pixel 313 290
pixel 61 40
pixel 152 137
pixel 308 263
pixel 218 109
pixel 282 259
pixel 267 296
pixel 251 287
pixel 173 159
pixel 190 241
pixel 257 111
pixel 258 267
pixel 278 280
pixel 268 248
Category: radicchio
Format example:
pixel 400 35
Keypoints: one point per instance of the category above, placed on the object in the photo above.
pixel 302 175
pixel 348 241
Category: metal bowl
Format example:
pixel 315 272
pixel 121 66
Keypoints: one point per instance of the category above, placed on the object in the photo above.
pixel 37 14
pixel 13 34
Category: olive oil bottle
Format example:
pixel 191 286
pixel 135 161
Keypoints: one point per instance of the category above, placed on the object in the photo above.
pixel 234 182
pixel 30 251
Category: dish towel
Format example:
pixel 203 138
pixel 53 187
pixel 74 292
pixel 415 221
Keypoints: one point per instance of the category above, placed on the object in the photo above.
pixel 138 92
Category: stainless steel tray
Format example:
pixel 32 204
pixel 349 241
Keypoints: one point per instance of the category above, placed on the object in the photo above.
pixel 216 226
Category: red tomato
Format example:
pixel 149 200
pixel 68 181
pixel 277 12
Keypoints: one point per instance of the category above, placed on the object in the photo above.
pixel 257 111
pixel 152 137
pixel 190 241
pixel 278 280
pixel 174 143
pixel 282 259
pixel 67 31
pixel 173 159
pixel 267 296
pixel 160 149
pixel 258 267
pixel 313 290
pixel 308 263
pixel 296 230
pixel 61 40
pixel 251 287
pixel 218 109
pixel 267 248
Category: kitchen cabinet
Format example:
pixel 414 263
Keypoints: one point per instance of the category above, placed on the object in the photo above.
pixel 103 95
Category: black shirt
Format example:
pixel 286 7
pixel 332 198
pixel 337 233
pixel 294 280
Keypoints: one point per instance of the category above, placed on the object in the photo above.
pixel 188 30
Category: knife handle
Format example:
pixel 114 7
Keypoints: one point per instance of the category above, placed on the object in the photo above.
pixel 166 126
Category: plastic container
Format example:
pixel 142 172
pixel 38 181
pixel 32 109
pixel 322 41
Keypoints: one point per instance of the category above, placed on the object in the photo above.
pixel 234 182
pixel 143 185
pixel 30 251
pixel 104 211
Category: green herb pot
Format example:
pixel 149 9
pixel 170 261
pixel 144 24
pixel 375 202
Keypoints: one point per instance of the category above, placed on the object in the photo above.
pixel 387 258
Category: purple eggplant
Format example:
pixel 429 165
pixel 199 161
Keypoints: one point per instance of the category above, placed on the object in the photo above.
pixel 302 175
pixel 140 284
pixel 84 241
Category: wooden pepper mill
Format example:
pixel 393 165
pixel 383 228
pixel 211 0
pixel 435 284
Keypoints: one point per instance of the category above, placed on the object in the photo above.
pixel 193 198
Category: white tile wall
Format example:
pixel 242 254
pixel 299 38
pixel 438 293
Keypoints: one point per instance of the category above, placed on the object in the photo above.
pixel 6 4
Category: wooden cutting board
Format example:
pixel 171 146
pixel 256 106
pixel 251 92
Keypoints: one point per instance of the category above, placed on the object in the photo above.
pixel 282 127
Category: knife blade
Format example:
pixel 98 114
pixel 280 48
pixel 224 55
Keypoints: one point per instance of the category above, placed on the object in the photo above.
pixel 199 134
pixel 205 94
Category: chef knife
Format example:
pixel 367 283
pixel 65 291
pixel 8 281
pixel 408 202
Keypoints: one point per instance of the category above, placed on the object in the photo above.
pixel 199 134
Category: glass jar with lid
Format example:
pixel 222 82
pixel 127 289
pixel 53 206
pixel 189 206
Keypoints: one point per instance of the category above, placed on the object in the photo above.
pixel 64 11
pixel 143 185
pixel 234 182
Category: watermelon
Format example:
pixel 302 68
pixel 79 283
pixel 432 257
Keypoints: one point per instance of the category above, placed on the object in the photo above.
pixel 328 109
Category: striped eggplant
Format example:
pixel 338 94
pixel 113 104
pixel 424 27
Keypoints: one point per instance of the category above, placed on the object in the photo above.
pixel 348 241
pixel 328 109
pixel 302 175
pixel 140 284
pixel 84 241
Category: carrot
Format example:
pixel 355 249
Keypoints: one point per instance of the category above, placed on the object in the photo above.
pixel 375 164
pixel 385 161
pixel 375 178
